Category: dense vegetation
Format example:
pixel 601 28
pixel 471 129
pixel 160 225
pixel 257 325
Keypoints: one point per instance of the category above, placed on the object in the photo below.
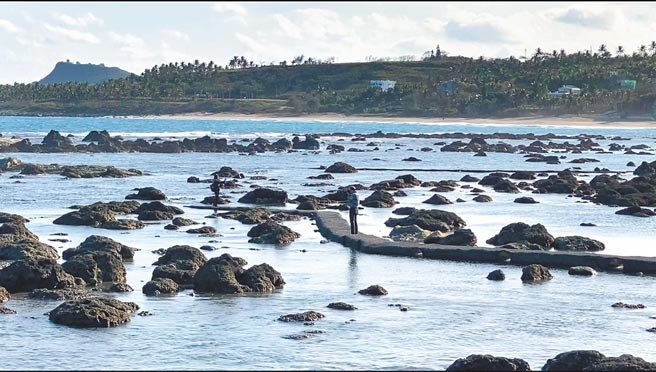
pixel 65 72
pixel 485 87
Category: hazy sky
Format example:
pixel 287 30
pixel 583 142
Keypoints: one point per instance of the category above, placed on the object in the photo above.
pixel 135 36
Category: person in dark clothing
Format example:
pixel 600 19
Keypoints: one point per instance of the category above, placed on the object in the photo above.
pixel 216 188
pixel 353 201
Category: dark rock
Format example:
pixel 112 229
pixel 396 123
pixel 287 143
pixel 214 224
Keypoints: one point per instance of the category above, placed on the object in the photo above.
pixel 373 290
pixel 341 167
pixel 308 316
pixel 582 271
pixel 628 306
pixel 341 306
pixel 497 274
pixel 535 273
pixel 408 233
pixel 412 158
pixel 159 286
pixel 97 267
pixel 119 288
pixel 179 221
pixel 58 294
pixel 404 211
pixel 477 362
pixel 147 193
pixel 577 243
pixel 226 172
pixel 202 230
pixel 85 217
pixel 271 232
pixel 250 216
pixel 171 227
pixel 592 360
pixel 224 274
pixel 155 216
pixel 483 198
pixel 182 253
pixel 523 175
pixel 32 273
pixel 158 206
pixel 468 178
pixel 180 271
pixel 265 196
pixel 123 224
pixel 520 232
pixel 96 312
pixel 379 199
pixel 433 220
pixel 96 243
pixel 437 199
pixel 587 224
pixel 26 248
pixel 506 186
pixel 461 237
pixel 526 200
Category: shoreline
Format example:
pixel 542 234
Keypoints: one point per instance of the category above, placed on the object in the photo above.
pixel 537 120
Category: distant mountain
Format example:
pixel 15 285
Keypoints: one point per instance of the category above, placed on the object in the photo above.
pixel 76 72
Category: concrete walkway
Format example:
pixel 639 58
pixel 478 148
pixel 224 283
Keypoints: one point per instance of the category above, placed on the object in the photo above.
pixel 335 228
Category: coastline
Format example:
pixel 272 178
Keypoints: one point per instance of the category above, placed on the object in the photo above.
pixel 537 120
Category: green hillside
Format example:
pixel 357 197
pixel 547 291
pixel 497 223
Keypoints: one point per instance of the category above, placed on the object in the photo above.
pixel 481 88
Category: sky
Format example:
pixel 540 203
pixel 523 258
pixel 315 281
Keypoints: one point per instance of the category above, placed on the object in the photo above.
pixel 134 36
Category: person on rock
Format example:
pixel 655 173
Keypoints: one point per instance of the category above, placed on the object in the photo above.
pixel 216 188
pixel 353 201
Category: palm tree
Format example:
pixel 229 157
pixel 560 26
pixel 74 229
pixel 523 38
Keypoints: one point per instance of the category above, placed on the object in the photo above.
pixel 620 50
pixel 652 47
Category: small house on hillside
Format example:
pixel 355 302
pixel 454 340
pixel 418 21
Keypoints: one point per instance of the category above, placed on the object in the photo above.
pixel 566 90
pixel 385 85
pixel 449 87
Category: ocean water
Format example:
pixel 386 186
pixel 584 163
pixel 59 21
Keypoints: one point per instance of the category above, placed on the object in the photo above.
pixel 454 310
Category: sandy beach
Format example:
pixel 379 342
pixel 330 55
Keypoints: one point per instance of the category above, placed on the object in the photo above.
pixel 565 120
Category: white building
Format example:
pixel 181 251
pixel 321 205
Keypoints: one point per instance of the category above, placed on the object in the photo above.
pixel 382 84
pixel 565 90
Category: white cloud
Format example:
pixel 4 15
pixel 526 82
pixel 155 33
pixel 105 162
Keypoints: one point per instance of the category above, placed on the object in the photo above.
pixel 9 26
pixel 81 21
pixel 73 35
pixel 592 18
pixel 229 7
pixel 287 26
pixel 176 35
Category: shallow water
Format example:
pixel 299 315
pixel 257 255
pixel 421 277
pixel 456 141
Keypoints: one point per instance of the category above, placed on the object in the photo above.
pixel 454 310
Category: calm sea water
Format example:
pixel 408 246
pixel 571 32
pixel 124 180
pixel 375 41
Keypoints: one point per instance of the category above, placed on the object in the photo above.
pixel 454 310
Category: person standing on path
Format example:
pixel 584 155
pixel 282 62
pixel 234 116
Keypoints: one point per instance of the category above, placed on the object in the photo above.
pixel 353 201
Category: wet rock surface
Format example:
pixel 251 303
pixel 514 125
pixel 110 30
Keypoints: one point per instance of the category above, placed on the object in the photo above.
pixel 96 312
pixel 225 274
pixel 477 362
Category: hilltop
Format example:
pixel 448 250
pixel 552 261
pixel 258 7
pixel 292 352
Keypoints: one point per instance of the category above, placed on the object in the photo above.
pixel 65 72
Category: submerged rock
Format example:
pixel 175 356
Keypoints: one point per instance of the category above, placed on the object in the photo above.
pixel 582 271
